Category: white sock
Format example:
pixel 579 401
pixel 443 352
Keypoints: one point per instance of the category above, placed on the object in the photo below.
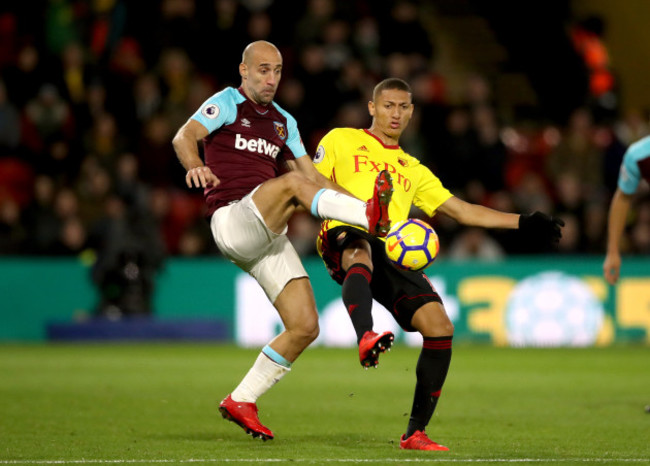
pixel 263 375
pixel 330 204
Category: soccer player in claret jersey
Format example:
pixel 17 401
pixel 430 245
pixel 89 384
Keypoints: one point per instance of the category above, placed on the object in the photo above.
pixel 357 260
pixel 248 140
pixel 634 168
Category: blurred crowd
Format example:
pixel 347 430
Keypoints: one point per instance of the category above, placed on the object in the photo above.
pixel 91 93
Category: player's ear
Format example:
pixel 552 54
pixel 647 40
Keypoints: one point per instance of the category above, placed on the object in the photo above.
pixel 371 108
pixel 243 70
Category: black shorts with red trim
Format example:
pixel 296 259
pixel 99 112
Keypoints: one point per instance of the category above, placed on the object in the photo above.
pixel 401 292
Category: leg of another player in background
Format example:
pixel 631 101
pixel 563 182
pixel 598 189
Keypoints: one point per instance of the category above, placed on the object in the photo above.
pixel 437 331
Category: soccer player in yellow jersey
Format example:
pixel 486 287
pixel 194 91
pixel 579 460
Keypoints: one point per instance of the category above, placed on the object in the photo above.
pixel 357 260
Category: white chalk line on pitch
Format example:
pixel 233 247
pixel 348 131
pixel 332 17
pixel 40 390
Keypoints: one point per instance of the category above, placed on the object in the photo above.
pixel 335 460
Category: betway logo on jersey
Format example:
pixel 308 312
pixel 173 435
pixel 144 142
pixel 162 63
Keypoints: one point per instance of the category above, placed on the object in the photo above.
pixel 259 145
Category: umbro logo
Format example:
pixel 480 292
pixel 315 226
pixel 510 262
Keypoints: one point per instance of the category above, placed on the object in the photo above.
pixel 363 148
pixel 245 123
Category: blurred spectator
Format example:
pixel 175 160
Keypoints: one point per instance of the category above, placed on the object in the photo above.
pixel 176 74
pixel 24 77
pixel 474 243
pixel 632 126
pixel 594 234
pixel 16 177
pixel 95 186
pixel 527 145
pixel 9 123
pixel 130 255
pixel 570 241
pixel 365 40
pixel 407 34
pixel 196 240
pixel 39 217
pixel 577 152
pixel 72 239
pixel 587 37
pixel 531 193
pixel 311 25
pixel 336 42
pixel 74 73
pixel 156 155
pixel 47 118
pixel 259 26
pixel 62 25
pixel 147 96
pixel 455 158
pixel 317 81
pixel 491 154
pixel 105 140
pixel 12 232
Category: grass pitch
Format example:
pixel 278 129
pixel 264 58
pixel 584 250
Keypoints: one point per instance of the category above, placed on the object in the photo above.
pixel 152 404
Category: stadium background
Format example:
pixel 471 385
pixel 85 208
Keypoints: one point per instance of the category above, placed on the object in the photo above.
pixel 518 107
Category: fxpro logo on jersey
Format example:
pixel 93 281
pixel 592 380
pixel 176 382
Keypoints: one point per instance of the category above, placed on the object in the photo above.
pixel 363 163
pixel 259 145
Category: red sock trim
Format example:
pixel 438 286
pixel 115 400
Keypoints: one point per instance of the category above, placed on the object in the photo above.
pixel 361 270
pixel 438 344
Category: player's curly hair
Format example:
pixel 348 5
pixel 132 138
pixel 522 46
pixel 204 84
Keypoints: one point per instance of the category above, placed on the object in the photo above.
pixel 390 84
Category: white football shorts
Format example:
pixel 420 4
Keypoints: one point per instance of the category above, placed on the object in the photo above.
pixel 242 236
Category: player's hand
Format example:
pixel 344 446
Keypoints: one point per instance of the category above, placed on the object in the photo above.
pixel 541 228
pixel 612 268
pixel 201 177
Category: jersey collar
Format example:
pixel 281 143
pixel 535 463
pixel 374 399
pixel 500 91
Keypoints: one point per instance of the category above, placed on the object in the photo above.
pixel 261 109
pixel 393 147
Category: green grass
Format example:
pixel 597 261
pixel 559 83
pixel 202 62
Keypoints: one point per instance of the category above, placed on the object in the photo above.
pixel 145 403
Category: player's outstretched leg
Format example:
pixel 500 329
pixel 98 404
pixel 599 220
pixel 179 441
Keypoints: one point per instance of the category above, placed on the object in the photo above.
pixel 245 415
pixel 420 441
pixel 372 345
pixel 377 205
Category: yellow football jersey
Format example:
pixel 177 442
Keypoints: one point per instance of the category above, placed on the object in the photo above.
pixel 353 158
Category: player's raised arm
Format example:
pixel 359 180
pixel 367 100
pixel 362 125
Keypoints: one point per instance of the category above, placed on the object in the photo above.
pixel 476 215
pixel 187 152
pixel 538 227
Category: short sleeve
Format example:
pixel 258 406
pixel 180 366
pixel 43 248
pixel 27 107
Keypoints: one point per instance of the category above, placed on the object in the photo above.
pixel 325 156
pixel 218 110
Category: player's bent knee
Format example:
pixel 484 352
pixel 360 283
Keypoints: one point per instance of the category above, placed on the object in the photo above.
pixel 293 181
pixel 304 334
pixel 431 320
pixel 305 330
pixel 448 328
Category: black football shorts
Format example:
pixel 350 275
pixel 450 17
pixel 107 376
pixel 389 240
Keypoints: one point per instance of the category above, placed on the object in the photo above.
pixel 401 292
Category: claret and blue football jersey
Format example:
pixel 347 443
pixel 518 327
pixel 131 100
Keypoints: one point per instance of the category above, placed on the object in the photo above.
pixel 635 166
pixel 248 144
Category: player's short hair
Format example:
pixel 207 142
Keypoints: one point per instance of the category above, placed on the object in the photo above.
pixel 390 84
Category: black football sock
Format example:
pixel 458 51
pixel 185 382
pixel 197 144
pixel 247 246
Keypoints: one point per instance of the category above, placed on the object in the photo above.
pixel 431 372
pixel 357 298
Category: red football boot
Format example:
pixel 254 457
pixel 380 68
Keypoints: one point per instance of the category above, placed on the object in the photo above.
pixel 245 416
pixel 377 205
pixel 420 441
pixel 372 345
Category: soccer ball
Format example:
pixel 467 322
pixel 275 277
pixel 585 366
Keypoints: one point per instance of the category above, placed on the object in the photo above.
pixel 412 244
